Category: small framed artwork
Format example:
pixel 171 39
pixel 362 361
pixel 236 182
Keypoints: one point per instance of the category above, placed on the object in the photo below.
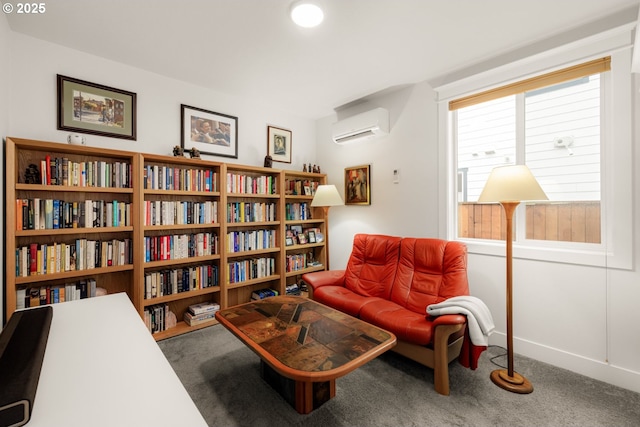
pixel 302 239
pixel 311 236
pixel 357 185
pixel 210 133
pixel 95 109
pixel 279 144
pixel 288 241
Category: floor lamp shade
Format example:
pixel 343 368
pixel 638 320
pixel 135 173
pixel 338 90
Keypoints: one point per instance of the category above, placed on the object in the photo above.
pixel 327 195
pixel 510 185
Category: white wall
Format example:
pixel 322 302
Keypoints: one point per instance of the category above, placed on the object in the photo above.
pixel 28 103
pixel 580 318
pixel 408 208
pixel 35 64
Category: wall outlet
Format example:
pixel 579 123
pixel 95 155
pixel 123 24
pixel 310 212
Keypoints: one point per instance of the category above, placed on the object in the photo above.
pixel 396 176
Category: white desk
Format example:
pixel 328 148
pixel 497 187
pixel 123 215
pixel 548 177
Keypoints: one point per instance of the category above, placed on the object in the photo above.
pixel 103 368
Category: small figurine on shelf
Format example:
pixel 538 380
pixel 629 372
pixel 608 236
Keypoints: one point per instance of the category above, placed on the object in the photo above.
pixel 195 153
pixel 178 151
pixel 309 169
pixel 304 167
pixel 268 161
pixel 32 175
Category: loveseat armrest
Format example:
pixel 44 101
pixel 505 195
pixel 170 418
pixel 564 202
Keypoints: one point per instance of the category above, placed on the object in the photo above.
pixel 448 319
pixel 318 279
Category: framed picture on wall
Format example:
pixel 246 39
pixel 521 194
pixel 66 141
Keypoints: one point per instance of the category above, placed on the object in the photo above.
pixel 95 109
pixel 357 185
pixel 210 133
pixel 279 144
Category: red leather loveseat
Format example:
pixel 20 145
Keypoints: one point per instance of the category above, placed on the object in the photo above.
pixel 389 281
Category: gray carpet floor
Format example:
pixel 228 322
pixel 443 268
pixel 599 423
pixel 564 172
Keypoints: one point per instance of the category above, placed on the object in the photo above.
pixel 223 379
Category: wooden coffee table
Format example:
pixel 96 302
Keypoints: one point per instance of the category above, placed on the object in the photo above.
pixel 304 346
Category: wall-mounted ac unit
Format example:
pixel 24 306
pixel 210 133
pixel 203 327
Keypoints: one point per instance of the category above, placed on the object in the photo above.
pixel 361 126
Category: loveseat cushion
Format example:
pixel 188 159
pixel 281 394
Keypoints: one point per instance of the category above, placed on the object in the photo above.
pixel 429 272
pixel 372 265
pixel 342 299
pixel 405 324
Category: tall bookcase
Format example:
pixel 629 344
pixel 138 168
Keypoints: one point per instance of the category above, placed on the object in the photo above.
pixel 168 231
pixel 305 226
pixel 253 232
pixel 179 235
pixel 59 238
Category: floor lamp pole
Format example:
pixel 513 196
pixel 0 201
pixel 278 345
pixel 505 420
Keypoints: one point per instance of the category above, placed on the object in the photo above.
pixel 326 235
pixel 509 379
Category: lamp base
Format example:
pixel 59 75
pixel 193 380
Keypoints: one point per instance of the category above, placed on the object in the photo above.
pixel 515 384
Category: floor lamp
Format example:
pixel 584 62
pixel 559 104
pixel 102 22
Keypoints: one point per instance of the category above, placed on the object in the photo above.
pixel 325 197
pixel 511 185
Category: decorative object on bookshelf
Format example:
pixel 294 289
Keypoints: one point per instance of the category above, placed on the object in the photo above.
pixel 311 236
pixel 268 161
pixel 194 153
pixel 357 185
pixel 279 144
pixel 178 151
pixel 75 139
pixel 211 133
pixel 32 174
pixel 288 241
pixel 95 109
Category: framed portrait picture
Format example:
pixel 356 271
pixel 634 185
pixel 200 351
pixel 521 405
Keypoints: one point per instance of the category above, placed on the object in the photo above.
pixel 95 109
pixel 210 133
pixel 288 241
pixel 357 185
pixel 279 144
pixel 311 236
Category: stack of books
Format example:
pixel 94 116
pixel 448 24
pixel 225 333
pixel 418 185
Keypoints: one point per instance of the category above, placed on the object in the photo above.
pixel 201 313
pixel 263 293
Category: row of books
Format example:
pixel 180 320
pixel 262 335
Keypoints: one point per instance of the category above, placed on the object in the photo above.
pixel 297 262
pixel 241 241
pixel 51 214
pixel 157 177
pixel 168 282
pixel 81 254
pixel 255 268
pixel 163 212
pixel 201 313
pixel 43 295
pixel 159 318
pixel 63 171
pixel 251 212
pixel 263 293
pixel 180 246
pixel 300 187
pixel 297 211
pixel 247 184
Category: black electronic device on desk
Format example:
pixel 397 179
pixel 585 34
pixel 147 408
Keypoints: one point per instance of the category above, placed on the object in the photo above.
pixel 23 342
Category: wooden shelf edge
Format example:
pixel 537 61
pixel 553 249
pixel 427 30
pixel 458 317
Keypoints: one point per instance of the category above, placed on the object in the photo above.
pixel 182 328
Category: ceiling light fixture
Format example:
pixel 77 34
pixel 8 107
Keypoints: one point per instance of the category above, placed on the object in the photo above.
pixel 306 14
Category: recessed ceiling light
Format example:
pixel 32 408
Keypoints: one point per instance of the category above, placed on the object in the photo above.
pixel 306 14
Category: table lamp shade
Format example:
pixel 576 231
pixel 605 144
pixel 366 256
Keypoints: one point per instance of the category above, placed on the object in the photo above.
pixel 513 183
pixel 327 195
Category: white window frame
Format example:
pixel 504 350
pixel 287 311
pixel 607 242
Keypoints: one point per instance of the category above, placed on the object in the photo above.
pixel 616 249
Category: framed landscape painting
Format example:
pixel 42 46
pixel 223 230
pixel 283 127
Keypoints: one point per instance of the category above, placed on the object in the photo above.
pixel 279 144
pixel 95 109
pixel 357 185
pixel 210 133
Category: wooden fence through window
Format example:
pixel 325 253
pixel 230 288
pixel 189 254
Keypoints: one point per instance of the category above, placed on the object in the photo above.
pixel 561 221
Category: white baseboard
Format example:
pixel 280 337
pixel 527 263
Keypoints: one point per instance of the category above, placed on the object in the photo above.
pixel 596 369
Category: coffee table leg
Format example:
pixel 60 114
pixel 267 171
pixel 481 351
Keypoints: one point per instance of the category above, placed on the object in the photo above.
pixel 303 396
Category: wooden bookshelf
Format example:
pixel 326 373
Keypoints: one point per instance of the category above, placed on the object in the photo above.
pixel 62 243
pixel 260 210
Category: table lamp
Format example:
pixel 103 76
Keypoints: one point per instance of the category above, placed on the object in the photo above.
pixel 326 196
pixel 510 185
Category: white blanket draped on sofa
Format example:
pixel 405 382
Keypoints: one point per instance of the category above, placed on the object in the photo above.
pixel 479 320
